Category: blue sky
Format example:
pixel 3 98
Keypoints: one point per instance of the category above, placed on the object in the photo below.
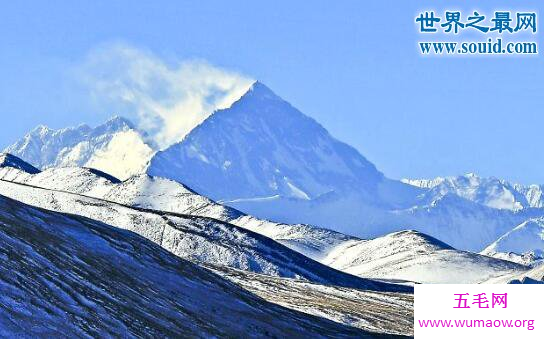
pixel 352 65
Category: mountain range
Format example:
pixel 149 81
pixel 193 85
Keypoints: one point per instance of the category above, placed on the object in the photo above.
pixel 491 192
pixel 104 198
pixel 264 197
pixel 64 275
pixel 264 157
pixel 195 238
pixel 215 245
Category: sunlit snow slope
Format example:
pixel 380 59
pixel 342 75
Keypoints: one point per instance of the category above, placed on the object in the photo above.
pixel 412 256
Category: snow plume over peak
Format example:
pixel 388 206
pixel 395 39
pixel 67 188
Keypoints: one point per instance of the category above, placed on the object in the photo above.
pixel 262 147
pixel 166 99
pixel 114 147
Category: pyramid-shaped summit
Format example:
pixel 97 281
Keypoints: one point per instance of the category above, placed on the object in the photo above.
pixel 258 101
pixel 261 92
pixel 263 147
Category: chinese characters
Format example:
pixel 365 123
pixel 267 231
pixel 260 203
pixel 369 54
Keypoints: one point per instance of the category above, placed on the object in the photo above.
pixel 498 300
pixel 501 22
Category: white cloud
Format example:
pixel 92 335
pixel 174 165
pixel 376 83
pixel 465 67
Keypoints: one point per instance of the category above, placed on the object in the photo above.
pixel 165 100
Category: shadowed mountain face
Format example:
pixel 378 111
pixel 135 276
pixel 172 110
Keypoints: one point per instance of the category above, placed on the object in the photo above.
pixel 11 161
pixel 63 275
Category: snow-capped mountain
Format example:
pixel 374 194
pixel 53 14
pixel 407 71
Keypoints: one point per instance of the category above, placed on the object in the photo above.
pixel 533 193
pixel 523 244
pixel 166 195
pixel 116 147
pixel 413 256
pixel 424 183
pixel 196 238
pixel 68 276
pixel 264 148
pixel 264 157
pixel 491 192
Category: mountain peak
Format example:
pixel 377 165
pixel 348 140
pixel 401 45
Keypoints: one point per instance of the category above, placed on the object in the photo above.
pixel 259 87
pixel 119 121
pixel 40 130
pixel 9 160
pixel 262 147
pixel 523 244
pixel 113 125
pixel 258 92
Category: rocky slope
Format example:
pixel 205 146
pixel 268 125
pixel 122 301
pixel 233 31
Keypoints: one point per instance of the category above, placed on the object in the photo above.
pixel 382 312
